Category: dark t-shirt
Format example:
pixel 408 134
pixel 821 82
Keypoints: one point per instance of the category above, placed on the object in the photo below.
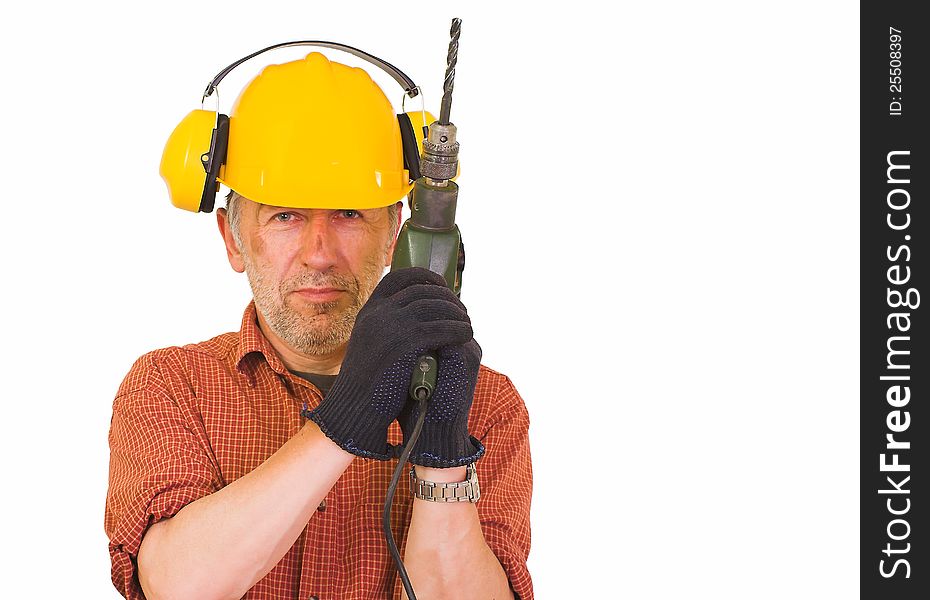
pixel 322 382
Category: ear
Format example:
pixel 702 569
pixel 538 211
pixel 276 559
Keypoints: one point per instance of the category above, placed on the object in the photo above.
pixel 232 250
pixel 389 253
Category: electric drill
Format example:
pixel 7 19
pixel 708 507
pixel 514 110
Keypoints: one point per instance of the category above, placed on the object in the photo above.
pixel 430 238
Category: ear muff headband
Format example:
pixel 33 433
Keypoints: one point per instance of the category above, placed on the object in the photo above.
pixel 410 88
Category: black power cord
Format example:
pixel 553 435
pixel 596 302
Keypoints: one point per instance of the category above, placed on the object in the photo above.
pixel 422 396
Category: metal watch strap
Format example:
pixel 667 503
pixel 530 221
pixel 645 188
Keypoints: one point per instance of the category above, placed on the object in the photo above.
pixel 463 491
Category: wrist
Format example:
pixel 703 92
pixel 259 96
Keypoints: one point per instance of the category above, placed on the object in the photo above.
pixel 451 475
pixel 313 436
pixel 358 436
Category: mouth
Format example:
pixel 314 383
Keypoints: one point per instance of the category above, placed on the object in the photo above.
pixel 319 294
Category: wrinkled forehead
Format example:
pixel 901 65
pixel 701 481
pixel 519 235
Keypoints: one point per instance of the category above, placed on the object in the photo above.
pixel 251 207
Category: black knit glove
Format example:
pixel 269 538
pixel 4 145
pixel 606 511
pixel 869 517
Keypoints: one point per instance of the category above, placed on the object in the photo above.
pixel 410 310
pixel 444 440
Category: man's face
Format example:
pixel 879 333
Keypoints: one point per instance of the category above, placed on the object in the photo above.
pixel 311 270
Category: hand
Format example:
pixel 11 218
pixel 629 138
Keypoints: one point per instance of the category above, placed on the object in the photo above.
pixel 444 440
pixel 409 312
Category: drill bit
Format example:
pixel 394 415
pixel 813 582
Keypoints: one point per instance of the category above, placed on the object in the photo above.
pixel 439 160
pixel 451 59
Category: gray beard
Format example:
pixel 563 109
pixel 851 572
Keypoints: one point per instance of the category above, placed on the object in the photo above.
pixel 326 329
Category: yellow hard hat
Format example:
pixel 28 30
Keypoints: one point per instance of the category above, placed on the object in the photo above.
pixel 310 133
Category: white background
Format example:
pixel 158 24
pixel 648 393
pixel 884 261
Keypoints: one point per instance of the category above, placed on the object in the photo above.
pixel 660 207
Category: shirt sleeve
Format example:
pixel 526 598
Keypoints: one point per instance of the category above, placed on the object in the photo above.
pixel 159 461
pixel 505 475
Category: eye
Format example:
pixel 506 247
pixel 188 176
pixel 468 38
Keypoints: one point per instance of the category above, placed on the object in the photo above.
pixel 350 213
pixel 284 217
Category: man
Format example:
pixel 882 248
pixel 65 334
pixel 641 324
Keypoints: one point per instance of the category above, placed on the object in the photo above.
pixel 255 464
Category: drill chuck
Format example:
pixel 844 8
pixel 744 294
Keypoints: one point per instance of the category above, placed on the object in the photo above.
pixel 440 159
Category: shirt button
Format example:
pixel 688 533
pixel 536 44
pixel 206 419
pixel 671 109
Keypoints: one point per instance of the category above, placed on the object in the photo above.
pixel 313 598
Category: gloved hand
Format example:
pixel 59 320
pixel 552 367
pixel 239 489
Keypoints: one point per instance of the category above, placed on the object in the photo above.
pixel 444 440
pixel 410 310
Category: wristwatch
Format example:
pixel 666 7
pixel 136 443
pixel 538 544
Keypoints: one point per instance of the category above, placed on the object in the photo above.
pixel 463 491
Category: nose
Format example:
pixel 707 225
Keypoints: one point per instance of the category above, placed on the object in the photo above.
pixel 318 244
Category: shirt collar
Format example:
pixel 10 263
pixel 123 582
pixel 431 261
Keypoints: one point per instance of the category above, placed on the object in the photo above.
pixel 252 342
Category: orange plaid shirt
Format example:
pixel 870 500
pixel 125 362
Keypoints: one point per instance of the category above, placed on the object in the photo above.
pixel 189 420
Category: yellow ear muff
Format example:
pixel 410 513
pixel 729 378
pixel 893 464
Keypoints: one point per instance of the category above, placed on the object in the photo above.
pixel 181 163
pixel 419 127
